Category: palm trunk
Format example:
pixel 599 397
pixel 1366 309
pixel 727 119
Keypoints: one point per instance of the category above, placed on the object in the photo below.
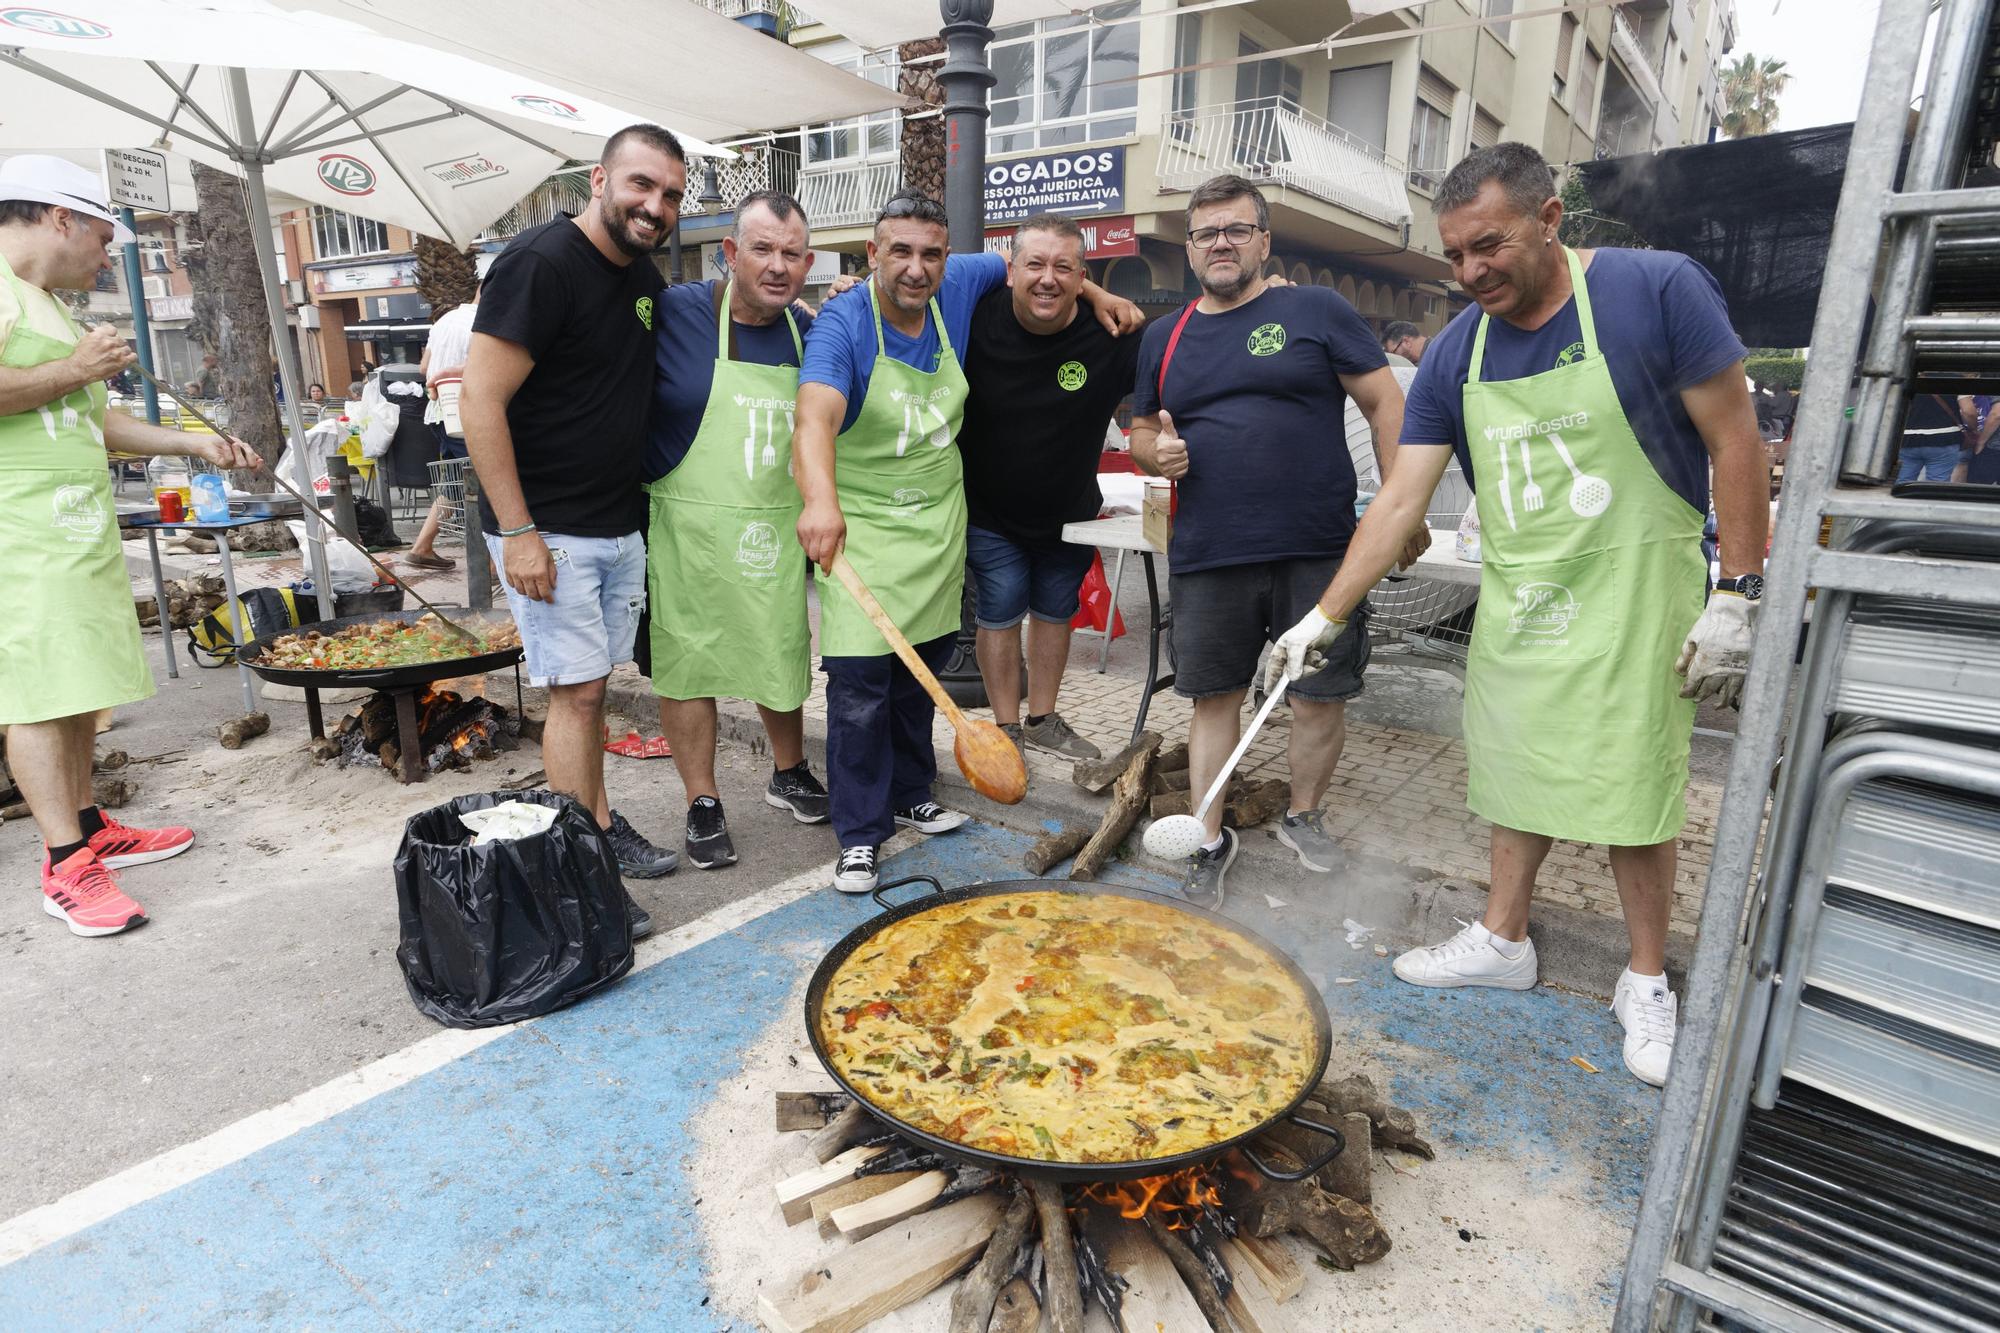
pixel 230 317
pixel 923 146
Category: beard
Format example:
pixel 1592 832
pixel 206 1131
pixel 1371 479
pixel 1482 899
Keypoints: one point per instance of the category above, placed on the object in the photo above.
pixel 1227 288
pixel 618 221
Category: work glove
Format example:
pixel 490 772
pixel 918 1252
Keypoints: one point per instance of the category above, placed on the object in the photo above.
pixel 1303 648
pixel 1717 651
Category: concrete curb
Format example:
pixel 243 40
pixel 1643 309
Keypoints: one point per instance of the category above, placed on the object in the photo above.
pixel 1408 905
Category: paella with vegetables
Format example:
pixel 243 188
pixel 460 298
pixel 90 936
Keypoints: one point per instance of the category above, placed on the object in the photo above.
pixel 1069 1027
pixel 388 643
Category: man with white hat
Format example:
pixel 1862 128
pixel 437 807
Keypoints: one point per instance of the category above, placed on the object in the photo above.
pixel 69 643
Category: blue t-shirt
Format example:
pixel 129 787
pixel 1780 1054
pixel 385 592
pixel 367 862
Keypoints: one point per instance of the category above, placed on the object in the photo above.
pixel 1255 392
pixel 684 366
pixel 841 352
pixel 1661 326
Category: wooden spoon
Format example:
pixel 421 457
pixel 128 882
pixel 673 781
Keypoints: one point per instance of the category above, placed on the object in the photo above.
pixel 987 758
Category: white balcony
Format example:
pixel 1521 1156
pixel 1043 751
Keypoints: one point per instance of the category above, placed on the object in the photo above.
pixel 769 165
pixel 1274 140
pixel 1626 44
pixel 847 196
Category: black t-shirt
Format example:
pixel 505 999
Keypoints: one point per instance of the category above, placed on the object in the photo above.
pixel 1255 392
pixel 1035 422
pixel 579 418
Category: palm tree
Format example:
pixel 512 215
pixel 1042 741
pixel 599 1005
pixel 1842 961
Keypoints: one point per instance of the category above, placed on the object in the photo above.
pixel 922 146
pixel 230 317
pixel 446 275
pixel 1750 91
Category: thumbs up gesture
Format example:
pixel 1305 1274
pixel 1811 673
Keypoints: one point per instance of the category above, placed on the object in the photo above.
pixel 1170 453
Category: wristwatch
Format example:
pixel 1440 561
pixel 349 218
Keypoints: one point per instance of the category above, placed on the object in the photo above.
pixel 1747 586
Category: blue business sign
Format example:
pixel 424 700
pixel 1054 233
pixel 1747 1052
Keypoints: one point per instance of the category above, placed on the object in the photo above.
pixel 1085 182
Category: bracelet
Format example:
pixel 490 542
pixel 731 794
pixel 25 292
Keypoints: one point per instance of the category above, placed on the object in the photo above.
pixel 521 531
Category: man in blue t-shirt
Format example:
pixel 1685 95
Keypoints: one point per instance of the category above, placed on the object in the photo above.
pixel 1589 396
pixel 1240 401
pixel 883 391
pixel 728 596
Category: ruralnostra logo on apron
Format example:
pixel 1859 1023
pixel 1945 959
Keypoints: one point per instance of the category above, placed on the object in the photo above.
pixel 1267 340
pixel 644 307
pixel 1071 375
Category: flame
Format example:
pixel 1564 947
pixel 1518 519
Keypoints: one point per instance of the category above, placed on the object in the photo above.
pixel 1186 1191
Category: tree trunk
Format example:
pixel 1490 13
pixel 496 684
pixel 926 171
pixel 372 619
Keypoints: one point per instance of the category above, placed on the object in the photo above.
pixel 447 277
pixel 923 145
pixel 230 316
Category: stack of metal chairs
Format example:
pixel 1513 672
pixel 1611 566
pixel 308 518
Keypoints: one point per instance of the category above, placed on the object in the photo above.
pixel 1828 1153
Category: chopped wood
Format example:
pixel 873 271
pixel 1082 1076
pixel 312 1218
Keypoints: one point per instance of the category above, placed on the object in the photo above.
pixel 108 762
pixel 1053 847
pixel 854 1191
pixel 1166 782
pixel 796 1193
pixel 1273 1264
pixel 1017 1310
pixel 1346 1175
pixel 1128 802
pixel 1251 1304
pixel 1344 1229
pixel 112 793
pixel 828 1143
pixel 972 1304
pixel 1259 802
pixel 1063 1287
pixel 237 730
pixel 864 1218
pixel 809 1110
pixel 1394 1126
pixel 1155 1297
pixel 885 1272
pixel 1173 757
pixel 1199 1284
pixel 1095 775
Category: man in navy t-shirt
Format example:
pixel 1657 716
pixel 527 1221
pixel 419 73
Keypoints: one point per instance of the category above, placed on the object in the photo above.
pixel 1240 400
pixel 1589 396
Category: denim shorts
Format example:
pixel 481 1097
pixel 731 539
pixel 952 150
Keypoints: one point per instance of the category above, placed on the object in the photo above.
pixel 1224 617
pixel 590 627
pixel 1015 578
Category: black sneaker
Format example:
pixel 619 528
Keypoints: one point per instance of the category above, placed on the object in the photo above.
pixel 637 857
pixel 1203 886
pixel 641 919
pixel 708 844
pixel 797 790
pixel 930 817
pixel 855 872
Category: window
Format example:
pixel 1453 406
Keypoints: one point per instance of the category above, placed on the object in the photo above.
pixel 866 137
pixel 1485 128
pixel 1357 101
pixel 1069 80
pixel 1504 31
pixel 1565 48
pixel 153 250
pixel 1430 130
pixel 1187 85
pixel 1586 87
pixel 338 235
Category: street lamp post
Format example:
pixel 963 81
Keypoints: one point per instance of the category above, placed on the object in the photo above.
pixel 965 78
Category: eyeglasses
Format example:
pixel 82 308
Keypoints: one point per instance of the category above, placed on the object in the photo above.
pixel 1239 233
pixel 914 206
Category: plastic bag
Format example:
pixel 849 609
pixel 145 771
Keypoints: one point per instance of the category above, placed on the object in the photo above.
pixel 507 821
pixel 509 930
pixel 346 567
pixel 376 418
pixel 1096 603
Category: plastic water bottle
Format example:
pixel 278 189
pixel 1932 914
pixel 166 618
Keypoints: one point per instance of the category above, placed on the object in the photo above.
pixel 211 498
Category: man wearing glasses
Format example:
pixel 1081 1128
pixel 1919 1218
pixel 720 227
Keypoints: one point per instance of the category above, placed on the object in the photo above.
pixel 882 389
pixel 1239 401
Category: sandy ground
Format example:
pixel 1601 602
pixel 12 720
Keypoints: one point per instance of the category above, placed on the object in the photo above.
pixel 1471 1250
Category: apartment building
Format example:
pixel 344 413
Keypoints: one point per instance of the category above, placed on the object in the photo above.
pixel 1347 138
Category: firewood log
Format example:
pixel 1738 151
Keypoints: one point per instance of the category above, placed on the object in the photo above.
pixel 972 1303
pixel 1053 847
pixel 237 730
pixel 1128 802
pixel 1173 758
pixel 1095 775
pixel 1059 1247
pixel 1394 1126
pixel 1199 1284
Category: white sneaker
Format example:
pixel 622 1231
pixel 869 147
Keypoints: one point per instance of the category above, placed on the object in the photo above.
pixel 1649 1012
pixel 930 817
pixel 1469 959
pixel 855 872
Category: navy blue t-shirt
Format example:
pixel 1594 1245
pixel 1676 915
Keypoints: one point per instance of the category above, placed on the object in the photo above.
pixel 1662 326
pixel 684 365
pixel 1255 392
pixel 841 352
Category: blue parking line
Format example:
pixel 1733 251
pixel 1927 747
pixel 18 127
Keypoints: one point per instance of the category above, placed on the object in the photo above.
pixel 541 1180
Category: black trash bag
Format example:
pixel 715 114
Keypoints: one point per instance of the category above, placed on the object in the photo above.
pixel 510 930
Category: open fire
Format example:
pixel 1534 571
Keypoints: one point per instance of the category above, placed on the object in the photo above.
pixel 448 730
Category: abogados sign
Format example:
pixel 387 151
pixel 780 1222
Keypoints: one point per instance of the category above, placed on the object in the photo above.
pixel 1087 182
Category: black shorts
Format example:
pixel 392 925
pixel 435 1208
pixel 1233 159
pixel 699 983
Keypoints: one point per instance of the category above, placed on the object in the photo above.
pixel 1222 618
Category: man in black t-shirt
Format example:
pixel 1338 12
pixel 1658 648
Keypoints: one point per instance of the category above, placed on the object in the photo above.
pixel 554 403
pixel 1045 378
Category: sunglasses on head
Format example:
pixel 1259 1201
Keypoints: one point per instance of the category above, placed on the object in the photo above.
pixel 913 206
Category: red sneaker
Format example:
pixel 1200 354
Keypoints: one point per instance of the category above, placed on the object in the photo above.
pixel 118 846
pixel 82 892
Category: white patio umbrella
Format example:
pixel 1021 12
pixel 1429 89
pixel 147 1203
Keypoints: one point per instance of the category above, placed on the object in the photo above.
pixel 321 108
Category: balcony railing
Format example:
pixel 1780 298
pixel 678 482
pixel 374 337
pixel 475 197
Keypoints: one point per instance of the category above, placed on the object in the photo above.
pixel 1626 44
pixel 738 9
pixel 846 196
pixel 769 165
pixel 1273 139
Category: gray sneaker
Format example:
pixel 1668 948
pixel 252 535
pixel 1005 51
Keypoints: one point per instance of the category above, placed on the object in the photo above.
pixel 1058 737
pixel 1203 885
pixel 1306 834
pixel 1013 732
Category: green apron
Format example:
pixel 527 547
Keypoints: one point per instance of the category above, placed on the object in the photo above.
pixel 69 638
pixel 1591 576
pixel 902 492
pixel 727 579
